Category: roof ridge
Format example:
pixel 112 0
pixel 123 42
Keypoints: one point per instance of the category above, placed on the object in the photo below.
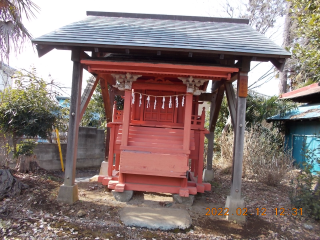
pixel 168 17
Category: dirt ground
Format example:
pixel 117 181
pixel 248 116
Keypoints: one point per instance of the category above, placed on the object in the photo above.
pixel 36 214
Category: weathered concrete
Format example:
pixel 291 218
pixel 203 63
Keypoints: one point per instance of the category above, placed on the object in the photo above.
pixel 155 218
pixel 207 175
pixel 232 205
pixel 104 168
pixel 122 196
pixel 183 200
pixel 90 152
pixel 68 194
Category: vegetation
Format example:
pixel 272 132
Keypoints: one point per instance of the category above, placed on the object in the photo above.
pixel 306 188
pixel 29 110
pixel 306 48
pixel 12 31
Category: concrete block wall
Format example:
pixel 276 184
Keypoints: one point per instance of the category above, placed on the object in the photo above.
pixel 91 150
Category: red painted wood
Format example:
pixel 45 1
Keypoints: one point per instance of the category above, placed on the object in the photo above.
pixel 126 118
pixel 187 122
pixel 154 164
pixel 151 68
pixel 163 87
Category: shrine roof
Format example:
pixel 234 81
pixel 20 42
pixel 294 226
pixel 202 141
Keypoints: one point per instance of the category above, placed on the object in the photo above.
pixel 164 32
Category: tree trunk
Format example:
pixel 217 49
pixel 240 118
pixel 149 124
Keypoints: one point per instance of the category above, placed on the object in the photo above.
pixel 27 164
pixel 9 185
pixel 283 76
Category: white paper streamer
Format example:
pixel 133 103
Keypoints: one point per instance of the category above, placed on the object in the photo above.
pixel 182 103
pixel 163 101
pixel 148 101
pixel 132 97
pixel 177 102
pixel 170 103
pixel 155 102
pixel 140 102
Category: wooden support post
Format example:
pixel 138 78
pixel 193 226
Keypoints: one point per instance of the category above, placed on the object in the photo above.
pixel 210 138
pixel 235 201
pixel 231 98
pixel 68 192
pixel 200 163
pixel 187 122
pixel 127 117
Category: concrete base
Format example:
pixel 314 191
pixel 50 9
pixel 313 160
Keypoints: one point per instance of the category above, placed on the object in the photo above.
pixel 155 218
pixel 207 175
pixel 232 205
pixel 68 194
pixel 122 196
pixel 183 200
pixel 104 169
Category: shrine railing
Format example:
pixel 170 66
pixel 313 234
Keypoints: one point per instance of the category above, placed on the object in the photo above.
pixel 198 121
pixel 117 115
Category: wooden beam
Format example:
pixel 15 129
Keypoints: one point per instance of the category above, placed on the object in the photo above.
pixel 231 98
pixel 43 50
pixel 68 192
pixel 206 97
pixel 160 68
pixel 110 80
pixel 217 107
pixel 87 94
pixel 278 63
pixel 155 86
pixel 106 99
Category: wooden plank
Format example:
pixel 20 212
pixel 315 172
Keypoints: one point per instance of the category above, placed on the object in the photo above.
pixel 126 118
pixel 74 120
pixel 106 99
pixel 217 107
pixel 187 122
pixel 170 165
pixel 87 94
pixel 163 87
pixel 231 98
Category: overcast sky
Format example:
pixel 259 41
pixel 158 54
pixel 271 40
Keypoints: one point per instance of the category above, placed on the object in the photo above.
pixel 57 13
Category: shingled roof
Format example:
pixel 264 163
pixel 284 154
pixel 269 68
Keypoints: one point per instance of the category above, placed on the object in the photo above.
pixel 165 32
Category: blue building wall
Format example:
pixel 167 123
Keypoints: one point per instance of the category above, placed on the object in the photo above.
pixel 302 135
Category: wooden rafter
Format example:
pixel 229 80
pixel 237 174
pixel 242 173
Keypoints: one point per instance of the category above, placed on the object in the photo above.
pixel 217 101
pixel 87 94
pixel 106 99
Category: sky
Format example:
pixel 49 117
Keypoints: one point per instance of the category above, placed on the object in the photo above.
pixel 54 14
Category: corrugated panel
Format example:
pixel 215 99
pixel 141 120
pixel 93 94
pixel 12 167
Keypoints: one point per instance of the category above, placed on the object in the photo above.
pixel 308 111
pixel 163 33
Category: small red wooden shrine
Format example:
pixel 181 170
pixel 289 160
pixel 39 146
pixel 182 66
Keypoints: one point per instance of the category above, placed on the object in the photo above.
pixel 161 65
pixel 157 140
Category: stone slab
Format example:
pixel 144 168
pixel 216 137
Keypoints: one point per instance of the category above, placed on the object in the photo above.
pixel 155 218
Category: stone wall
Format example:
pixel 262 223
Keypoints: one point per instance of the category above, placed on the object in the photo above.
pixel 91 150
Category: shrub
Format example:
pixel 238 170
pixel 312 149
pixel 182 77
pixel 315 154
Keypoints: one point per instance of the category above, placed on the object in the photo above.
pixel 25 148
pixel 264 159
pixel 305 192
